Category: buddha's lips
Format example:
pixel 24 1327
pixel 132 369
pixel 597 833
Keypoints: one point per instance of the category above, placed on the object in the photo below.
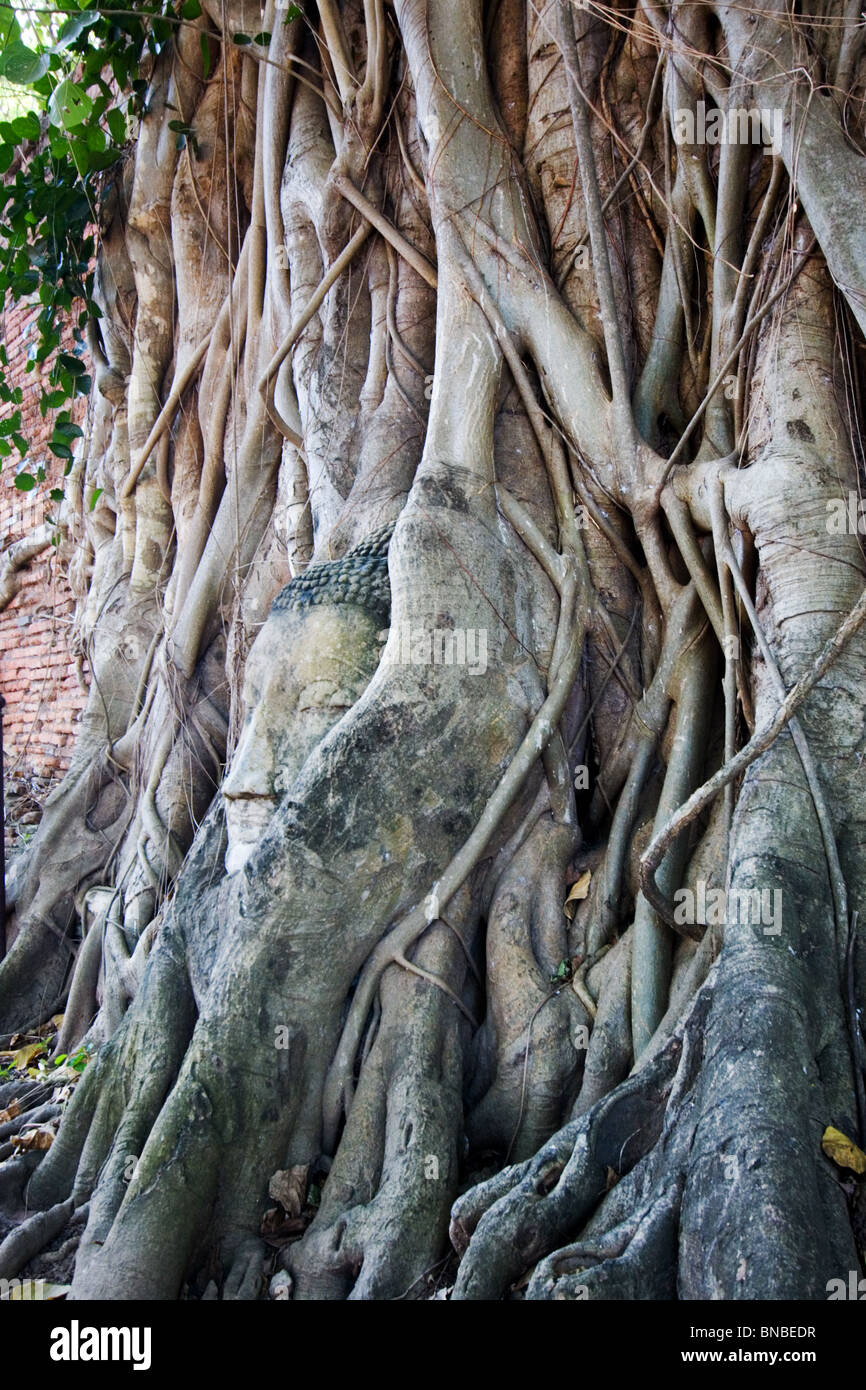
pixel 248 813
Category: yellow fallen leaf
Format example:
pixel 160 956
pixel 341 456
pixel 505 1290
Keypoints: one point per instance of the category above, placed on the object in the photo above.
pixel 12 1109
pixel 579 890
pixel 842 1150
pixel 24 1055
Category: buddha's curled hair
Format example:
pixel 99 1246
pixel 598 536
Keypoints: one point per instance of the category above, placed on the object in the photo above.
pixel 360 577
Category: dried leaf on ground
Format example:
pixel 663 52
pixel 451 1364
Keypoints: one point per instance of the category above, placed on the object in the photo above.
pixel 843 1151
pixel 40 1138
pixel 579 890
pixel 288 1186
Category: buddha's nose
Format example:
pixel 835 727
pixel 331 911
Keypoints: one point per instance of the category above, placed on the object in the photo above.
pixel 252 767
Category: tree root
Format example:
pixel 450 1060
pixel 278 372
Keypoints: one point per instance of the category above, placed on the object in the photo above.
pixel 115 1102
pixel 397 1164
pixel 612 1177
pixel 609 1053
pixel 530 1038
pixel 32 1236
pixel 636 1260
pixel 507 1225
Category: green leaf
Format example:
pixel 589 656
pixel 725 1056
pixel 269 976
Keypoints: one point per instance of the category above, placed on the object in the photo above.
pixel 27 127
pixel 191 9
pixel 51 400
pixel 25 482
pixel 294 12
pixel 57 494
pixel 69 105
pixel 72 27
pixel 262 39
pixel 61 450
pixel 116 122
pixel 205 54
pixel 95 496
pixel 181 127
pixel 7 154
pixel 65 431
pixel 21 65
pixel 10 29
pixel 242 39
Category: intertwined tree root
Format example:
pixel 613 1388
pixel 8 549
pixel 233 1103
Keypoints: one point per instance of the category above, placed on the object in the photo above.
pixel 594 1212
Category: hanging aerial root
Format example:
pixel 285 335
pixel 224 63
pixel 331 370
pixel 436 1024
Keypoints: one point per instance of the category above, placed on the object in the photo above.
pixel 377 219
pixel 752 324
pixel 529 1048
pixel 609 1053
pixel 268 383
pixel 758 744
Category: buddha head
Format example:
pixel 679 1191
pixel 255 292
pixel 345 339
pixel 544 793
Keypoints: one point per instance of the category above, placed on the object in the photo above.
pixel 310 663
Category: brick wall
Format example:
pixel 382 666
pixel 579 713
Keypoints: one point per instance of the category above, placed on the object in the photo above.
pixel 37 668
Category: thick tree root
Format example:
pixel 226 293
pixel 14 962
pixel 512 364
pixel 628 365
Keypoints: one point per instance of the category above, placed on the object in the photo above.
pixel 507 1225
pixel 636 1260
pixel 528 1047
pixel 384 1214
pixel 32 1236
pixel 608 1056
pixel 98 1146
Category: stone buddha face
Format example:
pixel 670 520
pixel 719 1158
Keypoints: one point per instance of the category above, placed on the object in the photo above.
pixel 306 668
